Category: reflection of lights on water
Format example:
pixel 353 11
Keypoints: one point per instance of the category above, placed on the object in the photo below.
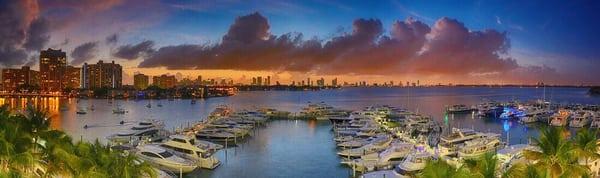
pixel 446 119
pixel 506 125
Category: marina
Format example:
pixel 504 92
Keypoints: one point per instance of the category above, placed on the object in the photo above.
pixel 303 140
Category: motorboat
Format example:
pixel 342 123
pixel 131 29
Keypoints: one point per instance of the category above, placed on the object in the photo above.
pixel 150 130
pixel 595 120
pixel 410 167
pixel 393 155
pixel 581 118
pixel 535 115
pixel 164 159
pixel 216 135
pixel 358 142
pixel 449 143
pixel 477 147
pixel 119 111
pixel 511 155
pixel 81 112
pixel 459 108
pixel 187 147
pixel 148 105
pixel 373 147
pixel 560 118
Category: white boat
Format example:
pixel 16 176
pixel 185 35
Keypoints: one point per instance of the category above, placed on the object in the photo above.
pixel 460 108
pixel 595 120
pixel 477 147
pixel 560 118
pixel 216 135
pixel 393 155
pixel 410 167
pixel 164 159
pixel 581 118
pixel 187 147
pixel 367 149
pixel 148 105
pixel 449 143
pixel 511 155
pixel 144 130
pixel 358 142
pixel 119 111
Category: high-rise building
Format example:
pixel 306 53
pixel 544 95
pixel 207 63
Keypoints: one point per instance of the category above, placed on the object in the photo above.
pixel 259 81
pixel 268 83
pixel 308 81
pixel 334 82
pixel 164 81
pixel 253 80
pixel 13 79
pixel 140 81
pixel 102 75
pixel 199 80
pixel 72 77
pixel 53 65
pixel 321 82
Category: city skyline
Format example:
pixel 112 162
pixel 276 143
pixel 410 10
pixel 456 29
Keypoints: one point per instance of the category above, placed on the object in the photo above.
pixel 376 42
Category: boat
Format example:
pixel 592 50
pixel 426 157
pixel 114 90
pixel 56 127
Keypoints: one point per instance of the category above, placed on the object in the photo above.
pixel 410 167
pixel 459 108
pixel 449 143
pixel 151 130
pixel 148 105
pixel 216 135
pixel 367 149
pixel 159 105
pixel 474 148
pixel 393 155
pixel 119 111
pixel 595 120
pixel 581 118
pixel 164 159
pixel 358 142
pixel 187 147
pixel 511 155
pixel 535 115
pixel 193 102
pixel 81 112
pixel 560 118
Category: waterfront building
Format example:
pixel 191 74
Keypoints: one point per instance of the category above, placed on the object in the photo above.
pixel 140 81
pixel 334 82
pixel 268 82
pixel 53 66
pixel 164 81
pixel 321 82
pixel 72 78
pixel 199 80
pixel 13 79
pixel 259 81
pixel 102 75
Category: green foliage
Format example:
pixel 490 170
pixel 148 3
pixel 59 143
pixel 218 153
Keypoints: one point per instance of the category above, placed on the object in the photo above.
pixel 29 148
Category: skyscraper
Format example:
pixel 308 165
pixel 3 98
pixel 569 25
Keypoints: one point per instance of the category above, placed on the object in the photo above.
pixel 334 82
pixel 53 66
pixel 164 81
pixel 259 81
pixel 72 78
pixel 99 75
pixel 13 79
pixel 140 81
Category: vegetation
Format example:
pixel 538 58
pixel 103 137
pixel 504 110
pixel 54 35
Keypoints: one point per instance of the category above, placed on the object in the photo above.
pixel 557 155
pixel 29 148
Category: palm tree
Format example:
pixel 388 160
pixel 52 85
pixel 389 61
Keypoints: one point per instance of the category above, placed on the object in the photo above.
pixel 586 145
pixel 440 169
pixel 484 166
pixel 556 154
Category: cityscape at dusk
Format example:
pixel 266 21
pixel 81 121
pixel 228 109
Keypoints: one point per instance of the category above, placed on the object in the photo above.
pixel 301 88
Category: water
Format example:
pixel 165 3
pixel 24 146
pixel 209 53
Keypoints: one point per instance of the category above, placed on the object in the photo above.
pixel 297 148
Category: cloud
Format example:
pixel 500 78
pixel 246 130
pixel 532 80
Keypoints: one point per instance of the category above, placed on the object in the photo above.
pixel 132 52
pixel 84 53
pixel 111 39
pixel 411 47
pixel 21 31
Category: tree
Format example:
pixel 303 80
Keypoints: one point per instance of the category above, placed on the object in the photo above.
pixel 440 169
pixel 484 166
pixel 556 154
pixel 586 145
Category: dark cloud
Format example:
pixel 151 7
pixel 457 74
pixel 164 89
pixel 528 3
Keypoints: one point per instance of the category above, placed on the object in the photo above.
pixel 84 53
pixel 132 52
pixel 411 47
pixel 112 39
pixel 20 31
pixel 38 35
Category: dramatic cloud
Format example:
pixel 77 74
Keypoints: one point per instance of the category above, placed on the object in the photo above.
pixel 412 47
pixel 84 52
pixel 21 31
pixel 112 39
pixel 132 52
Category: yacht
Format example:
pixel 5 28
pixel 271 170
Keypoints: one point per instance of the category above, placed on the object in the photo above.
pixel 449 143
pixel 367 149
pixel 477 147
pixel 216 135
pixel 410 167
pixel 560 118
pixel 595 120
pixel 535 115
pixel 81 111
pixel 144 130
pixel 358 142
pixel 164 159
pixel 148 105
pixel 581 118
pixel 386 159
pixel 460 108
pixel 511 155
pixel 119 111
pixel 187 147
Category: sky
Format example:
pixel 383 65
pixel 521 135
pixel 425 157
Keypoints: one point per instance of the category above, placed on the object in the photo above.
pixel 469 42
